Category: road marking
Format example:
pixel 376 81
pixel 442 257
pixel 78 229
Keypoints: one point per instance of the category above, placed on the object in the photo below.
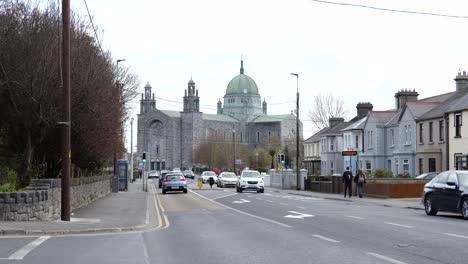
pixel 163 211
pixel 298 215
pixel 249 196
pixel 241 201
pixel 326 239
pixel 355 217
pixel 382 257
pixel 283 203
pixel 270 201
pixel 449 234
pixel 85 220
pixel 301 207
pixel 22 252
pixel 389 223
pixel 259 199
pixel 225 196
pixel 241 212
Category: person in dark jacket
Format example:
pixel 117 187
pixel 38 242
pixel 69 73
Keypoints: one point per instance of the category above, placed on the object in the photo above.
pixel 360 180
pixel 347 180
pixel 211 182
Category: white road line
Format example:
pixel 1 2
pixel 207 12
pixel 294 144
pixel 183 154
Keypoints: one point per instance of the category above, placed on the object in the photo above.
pixel 395 224
pixel 22 252
pixel 270 201
pixel 326 238
pixel 382 257
pixel 232 194
pixel 355 217
pixel 249 196
pixel 301 207
pixel 449 234
pixel 241 212
pixel 259 199
pixel 283 203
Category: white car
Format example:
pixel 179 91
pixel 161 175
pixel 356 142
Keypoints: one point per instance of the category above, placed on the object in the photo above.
pixel 226 179
pixel 250 180
pixel 207 174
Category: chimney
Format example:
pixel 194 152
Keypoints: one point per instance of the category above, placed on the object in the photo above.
pixel 363 109
pixel 403 96
pixel 462 82
pixel 333 121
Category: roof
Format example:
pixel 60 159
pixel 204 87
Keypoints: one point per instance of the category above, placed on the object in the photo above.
pixel 382 117
pixel 171 113
pixel 460 104
pixel 438 98
pixel 216 117
pixel 242 84
pixel 360 124
pixel 271 118
pixel 316 136
pixel 443 107
pixel 336 129
pixel 418 109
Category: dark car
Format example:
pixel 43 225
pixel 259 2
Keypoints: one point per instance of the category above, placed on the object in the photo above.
pixel 161 178
pixel 448 192
pixel 427 176
pixel 189 174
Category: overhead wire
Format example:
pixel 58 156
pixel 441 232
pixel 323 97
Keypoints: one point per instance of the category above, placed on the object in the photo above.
pixel 389 9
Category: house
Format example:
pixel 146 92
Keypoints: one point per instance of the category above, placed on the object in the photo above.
pixel 312 152
pixel 331 141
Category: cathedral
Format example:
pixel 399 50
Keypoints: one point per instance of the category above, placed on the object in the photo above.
pixel 170 138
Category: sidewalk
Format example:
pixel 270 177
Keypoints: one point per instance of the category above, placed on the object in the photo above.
pixel 117 212
pixel 409 203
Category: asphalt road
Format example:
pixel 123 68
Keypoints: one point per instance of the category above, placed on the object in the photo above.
pixel 222 226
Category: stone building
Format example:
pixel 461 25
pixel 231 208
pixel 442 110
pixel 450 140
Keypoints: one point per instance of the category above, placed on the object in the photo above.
pixel 170 138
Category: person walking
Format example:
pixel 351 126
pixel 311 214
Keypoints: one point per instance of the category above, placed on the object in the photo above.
pixel 347 180
pixel 360 180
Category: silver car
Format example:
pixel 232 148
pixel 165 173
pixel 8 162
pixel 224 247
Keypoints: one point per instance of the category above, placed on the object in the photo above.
pixel 227 179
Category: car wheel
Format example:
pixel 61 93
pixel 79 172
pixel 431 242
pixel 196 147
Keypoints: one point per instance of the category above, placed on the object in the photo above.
pixel 163 191
pixel 185 191
pixel 465 208
pixel 428 206
pixel 263 190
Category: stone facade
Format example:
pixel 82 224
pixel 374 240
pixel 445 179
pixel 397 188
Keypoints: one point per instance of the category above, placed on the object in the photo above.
pixel 170 139
pixel 41 201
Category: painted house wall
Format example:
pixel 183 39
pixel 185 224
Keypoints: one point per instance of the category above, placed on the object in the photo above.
pixel 458 145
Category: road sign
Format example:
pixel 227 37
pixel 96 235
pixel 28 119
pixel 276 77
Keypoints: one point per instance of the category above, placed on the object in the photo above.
pixel 349 153
pixel 238 161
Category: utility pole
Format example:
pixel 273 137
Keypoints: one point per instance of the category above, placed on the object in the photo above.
pixel 65 124
pixel 131 149
pixel 298 187
pixel 234 150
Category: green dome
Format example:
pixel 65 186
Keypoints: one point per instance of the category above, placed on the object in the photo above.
pixel 242 84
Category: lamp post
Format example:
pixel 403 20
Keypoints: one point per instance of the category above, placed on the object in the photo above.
pixel 131 150
pixel 234 150
pixel 297 131
pixel 119 87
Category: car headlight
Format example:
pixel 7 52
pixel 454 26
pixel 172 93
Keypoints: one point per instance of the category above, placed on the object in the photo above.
pixel 244 181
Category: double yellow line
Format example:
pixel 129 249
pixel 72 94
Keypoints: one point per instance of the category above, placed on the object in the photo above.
pixel 163 221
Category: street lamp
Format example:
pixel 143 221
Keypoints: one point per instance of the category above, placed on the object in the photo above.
pixel 234 150
pixel 297 131
pixel 131 149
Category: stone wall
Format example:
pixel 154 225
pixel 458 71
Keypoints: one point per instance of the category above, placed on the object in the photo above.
pixel 41 201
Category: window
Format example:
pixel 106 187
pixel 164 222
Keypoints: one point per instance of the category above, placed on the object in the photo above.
pixel 406 166
pixel 430 132
pixel 458 124
pixel 357 142
pixel 241 137
pixel 443 177
pixel 421 137
pixel 421 166
pixel 332 168
pixel 269 136
pixel 441 130
pixel 157 149
pixel 389 164
pixel 452 178
pixel 368 165
pixel 432 165
pixel 407 135
pixel 461 162
pixel 258 136
pixel 392 137
pixel 332 144
pixel 396 166
pixel 370 140
pixel 324 166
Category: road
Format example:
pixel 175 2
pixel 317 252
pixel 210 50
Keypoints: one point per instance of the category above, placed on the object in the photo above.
pixel 222 226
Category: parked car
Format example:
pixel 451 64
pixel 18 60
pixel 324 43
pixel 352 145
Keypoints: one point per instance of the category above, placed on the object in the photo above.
pixel 448 192
pixel 427 176
pixel 161 178
pixel 153 174
pixel 207 174
pixel 189 174
pixel 227 179
pixel 250 180
pixel 174 182
pixel 176 170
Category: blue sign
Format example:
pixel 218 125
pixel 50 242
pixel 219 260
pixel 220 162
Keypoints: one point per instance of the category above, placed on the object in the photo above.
pixel 238 162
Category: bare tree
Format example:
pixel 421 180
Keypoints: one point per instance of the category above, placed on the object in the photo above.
pixel 325 107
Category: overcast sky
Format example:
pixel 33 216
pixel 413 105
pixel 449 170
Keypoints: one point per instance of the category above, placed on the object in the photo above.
pixel 359 54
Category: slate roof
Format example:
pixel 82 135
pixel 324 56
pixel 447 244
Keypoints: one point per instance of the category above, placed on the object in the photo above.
pixel 382 117
pixel 272 118
pixel 316 136
pixel 171 113
pixel 359 124
pixel 418 108
pixel 336 129
pixel 459 104
pixel 437 112
pixel 216 117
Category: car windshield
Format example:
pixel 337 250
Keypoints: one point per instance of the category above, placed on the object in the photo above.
pixel 209 173
pixel 174 177
pixel 463 178
pixel 251 174
pixel 229 175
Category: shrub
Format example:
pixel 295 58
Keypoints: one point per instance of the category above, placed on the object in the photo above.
pixel 13 179
pixel 381 173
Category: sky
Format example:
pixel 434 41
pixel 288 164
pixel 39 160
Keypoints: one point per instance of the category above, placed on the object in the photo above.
pixel 357 54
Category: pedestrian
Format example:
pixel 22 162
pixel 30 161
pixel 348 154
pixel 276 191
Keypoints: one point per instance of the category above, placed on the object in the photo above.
pixel 211 182
pixel 347 180
pixel 360 180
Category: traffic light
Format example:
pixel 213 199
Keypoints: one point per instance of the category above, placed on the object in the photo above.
pixel 143 156
pixel 281 158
